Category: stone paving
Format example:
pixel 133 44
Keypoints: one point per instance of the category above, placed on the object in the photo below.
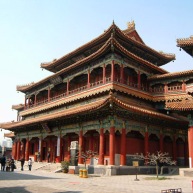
pixel 46 181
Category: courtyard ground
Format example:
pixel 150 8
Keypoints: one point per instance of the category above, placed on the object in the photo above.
pixel 45 180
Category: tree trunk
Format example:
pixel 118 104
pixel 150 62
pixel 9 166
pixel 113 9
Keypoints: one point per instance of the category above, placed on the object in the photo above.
pixel 157 168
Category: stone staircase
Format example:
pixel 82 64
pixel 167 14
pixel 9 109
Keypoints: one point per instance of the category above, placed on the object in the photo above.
pixel 50 167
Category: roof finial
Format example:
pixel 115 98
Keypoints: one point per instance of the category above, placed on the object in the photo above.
pixel 131 25
pixel 113 22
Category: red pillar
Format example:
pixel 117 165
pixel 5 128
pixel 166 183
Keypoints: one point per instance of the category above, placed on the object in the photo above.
pixel 184 86
pixel 161 147
pixel 28 102
pixel 36 150
pixel 122 74
pixel 88 83
pixel 112 146
pixel 174 148
pixel 23 149
pixel 165 88
pixel 101 147
pixel 25 102
pixel 190 146
pixel 146 148
pixel 69 143
pixel 48 93
pixel 35 100
pixel 112 71
pixel 18 149
pixel 80 160
pixel 139 80
pixel 14 151
pixel 27 150
pixel 104 74
pixel 123 147
pixel 67 87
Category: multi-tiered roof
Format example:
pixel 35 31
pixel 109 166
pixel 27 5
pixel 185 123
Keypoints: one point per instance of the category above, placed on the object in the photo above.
pixel 126 42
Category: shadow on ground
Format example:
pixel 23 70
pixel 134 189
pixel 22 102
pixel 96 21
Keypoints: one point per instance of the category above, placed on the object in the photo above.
pixel 22 189
pixel 19 176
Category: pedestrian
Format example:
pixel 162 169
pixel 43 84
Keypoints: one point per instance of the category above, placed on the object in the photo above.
pixel 8 164
pixel 48 156
pixel 30 164
pixel 3 162
pixel 22 160
pixel 12 164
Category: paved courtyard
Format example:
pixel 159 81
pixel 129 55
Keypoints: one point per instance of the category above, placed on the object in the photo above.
pixel 41 181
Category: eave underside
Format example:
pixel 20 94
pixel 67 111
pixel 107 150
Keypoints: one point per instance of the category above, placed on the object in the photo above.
pixel 109 106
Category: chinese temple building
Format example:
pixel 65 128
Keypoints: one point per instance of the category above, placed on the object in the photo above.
pixel 113 97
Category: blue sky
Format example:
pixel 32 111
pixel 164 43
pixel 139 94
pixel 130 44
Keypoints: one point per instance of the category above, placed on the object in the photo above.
pixel 32 32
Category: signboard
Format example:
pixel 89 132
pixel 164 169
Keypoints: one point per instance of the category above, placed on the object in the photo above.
pixel 135 163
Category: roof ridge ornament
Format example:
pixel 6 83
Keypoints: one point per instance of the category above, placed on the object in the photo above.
pixel 131 25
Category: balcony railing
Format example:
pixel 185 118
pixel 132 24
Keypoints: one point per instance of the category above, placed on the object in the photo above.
pixel 174 88
pixel 100 82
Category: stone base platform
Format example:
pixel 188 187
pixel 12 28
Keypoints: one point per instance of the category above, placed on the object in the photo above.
pixel 103 170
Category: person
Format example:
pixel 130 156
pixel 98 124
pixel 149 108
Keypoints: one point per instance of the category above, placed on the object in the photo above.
pixel 3 162
pixel 8 164
pixel 30 164
pixel 48 156
pixel 22 160
pixel 12 165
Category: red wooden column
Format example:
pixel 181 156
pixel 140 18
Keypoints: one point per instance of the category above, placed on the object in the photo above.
pixel 28 102
pixel 80 160
pixel 183 86
pixel 23 149
pixel 69 143
pixel 67 87
pixel 25 102
pixel 139 80
pixel 165 88
pixel 112 145
pixel 101 147
pixel 18 149
pixel 88 83
pixel 122 74
pixel 146 147
pixel 27 150
pixel 14 151
pixel 123 147
pixel 161 147
pixel 174 148
pixel 35 100
pixel 48 94
pixel 104 74
pixel 112 70
pixel 190 146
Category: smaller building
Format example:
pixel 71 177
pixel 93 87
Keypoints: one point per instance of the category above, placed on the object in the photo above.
pixel 6 143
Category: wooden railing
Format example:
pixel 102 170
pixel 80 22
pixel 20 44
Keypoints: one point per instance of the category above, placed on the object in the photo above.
pixel 174 88
pixel 100 82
